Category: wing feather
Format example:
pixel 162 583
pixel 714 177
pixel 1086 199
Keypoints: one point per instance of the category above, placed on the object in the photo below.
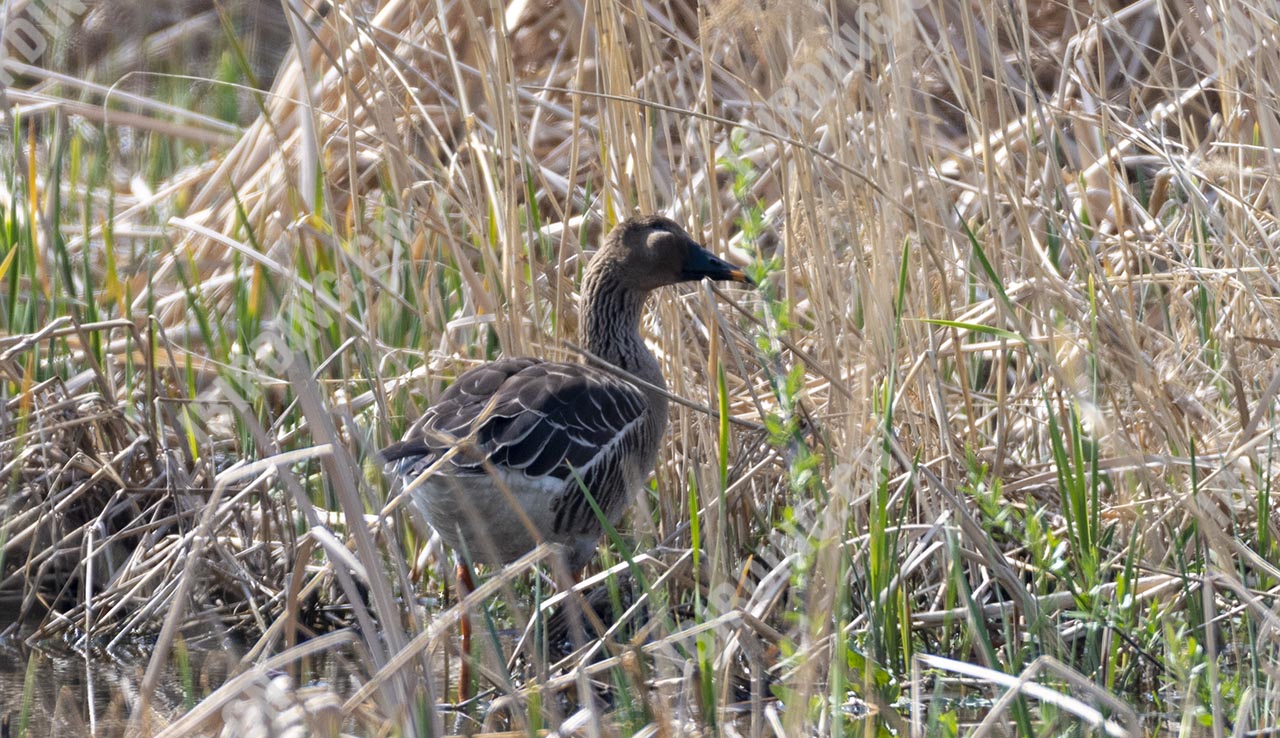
pixel 542 418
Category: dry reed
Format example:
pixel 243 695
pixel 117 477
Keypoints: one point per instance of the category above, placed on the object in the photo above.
pixel 1002 408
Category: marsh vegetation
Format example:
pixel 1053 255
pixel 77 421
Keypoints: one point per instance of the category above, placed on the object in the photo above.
pixel 991 451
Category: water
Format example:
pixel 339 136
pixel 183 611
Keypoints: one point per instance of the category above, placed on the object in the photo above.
pixel 65 694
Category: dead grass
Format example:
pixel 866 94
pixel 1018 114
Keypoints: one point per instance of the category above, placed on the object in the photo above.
pixel 1002 407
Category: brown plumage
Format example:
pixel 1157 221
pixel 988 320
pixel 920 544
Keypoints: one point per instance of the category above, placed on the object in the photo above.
pixel 535 432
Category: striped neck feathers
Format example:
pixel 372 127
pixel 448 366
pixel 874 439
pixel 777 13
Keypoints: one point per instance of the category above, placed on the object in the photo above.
pixel 609 326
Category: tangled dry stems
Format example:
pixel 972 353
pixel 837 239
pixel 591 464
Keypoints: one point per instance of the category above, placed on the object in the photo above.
pixel 1026 226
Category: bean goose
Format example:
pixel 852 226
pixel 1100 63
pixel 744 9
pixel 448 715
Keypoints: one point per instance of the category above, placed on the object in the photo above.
pixel 536 432
pixel 499 462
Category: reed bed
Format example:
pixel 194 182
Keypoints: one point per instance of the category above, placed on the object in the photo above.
pixel 989 452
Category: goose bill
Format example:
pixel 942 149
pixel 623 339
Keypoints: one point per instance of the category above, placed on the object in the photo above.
pixel 702 264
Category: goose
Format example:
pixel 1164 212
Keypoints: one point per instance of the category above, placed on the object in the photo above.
pixel 499 462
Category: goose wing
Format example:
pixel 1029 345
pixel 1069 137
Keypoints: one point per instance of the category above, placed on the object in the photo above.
pixel 540 418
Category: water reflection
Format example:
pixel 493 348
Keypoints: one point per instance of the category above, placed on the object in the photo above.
pixel 52 692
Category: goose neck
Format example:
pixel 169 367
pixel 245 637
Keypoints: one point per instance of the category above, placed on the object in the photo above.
pixel 610 326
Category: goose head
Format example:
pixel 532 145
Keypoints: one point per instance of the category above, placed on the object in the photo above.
pixel 643 254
